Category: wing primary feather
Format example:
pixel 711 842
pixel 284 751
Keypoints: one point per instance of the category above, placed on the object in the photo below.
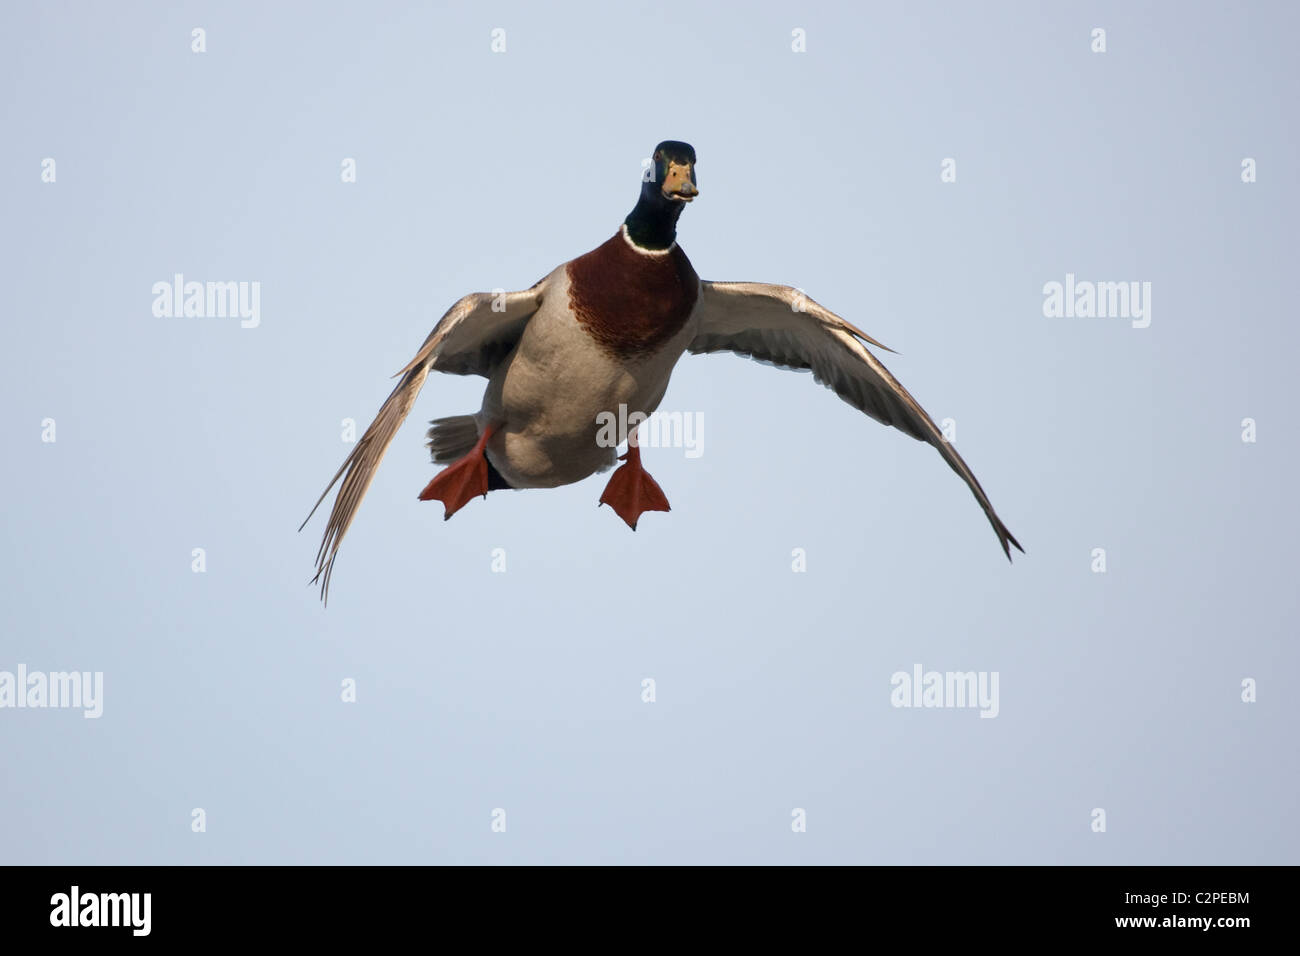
pixel 358 471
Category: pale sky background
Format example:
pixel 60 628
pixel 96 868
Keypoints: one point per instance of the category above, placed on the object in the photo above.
pixel 478 690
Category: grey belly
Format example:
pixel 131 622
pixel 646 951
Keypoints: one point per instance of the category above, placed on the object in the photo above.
pixel 548 396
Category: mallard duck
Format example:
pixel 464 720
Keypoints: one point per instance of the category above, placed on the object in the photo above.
pixel 602 331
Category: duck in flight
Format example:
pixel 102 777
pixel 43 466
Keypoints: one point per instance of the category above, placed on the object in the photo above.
pixel 603 330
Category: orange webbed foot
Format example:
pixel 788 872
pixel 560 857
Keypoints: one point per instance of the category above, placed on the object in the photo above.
pixel 631 491
pixel 462 481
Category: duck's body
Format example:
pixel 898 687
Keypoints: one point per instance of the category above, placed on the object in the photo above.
pixel 548 396
pixel 596 341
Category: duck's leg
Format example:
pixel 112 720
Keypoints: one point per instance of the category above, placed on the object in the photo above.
pixel 462 480
pixel 631 491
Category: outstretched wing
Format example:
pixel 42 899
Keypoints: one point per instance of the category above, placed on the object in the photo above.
pixel 474 335
pixel 778 324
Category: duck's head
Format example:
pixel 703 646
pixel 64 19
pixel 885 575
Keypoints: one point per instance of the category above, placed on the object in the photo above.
pixel 667 185
pixel 671 175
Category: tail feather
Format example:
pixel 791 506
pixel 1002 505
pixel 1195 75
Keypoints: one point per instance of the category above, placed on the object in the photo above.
pixel 452 438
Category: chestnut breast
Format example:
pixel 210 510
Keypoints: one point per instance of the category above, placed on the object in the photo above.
pixel 631 302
